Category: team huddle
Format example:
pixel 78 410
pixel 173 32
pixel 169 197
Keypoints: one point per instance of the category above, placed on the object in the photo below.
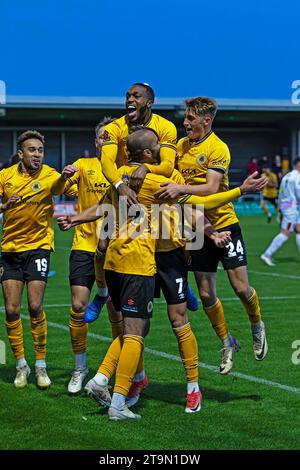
pixel 138 161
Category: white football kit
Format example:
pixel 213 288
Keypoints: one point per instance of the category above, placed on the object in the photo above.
pixel 289 200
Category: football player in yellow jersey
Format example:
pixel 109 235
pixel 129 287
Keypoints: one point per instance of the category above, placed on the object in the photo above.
pixel 130 266
pixel 269 193
pixel 28 239
pixel 203 160
pixel 91 185
pixel 139 102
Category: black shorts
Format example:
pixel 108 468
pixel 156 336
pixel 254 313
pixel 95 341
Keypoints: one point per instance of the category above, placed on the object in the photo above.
pixel 171 276
pixel 131 294
pixel 232 256
pixel 81 268
pixel 26 266
pixel 272 200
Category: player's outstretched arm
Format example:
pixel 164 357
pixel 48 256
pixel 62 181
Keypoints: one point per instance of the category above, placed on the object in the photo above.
pixel 88 215
pixel 58 186
pixel 252 184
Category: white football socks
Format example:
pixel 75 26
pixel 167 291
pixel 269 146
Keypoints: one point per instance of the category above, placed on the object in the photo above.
pixel 80 361
pixel 277 243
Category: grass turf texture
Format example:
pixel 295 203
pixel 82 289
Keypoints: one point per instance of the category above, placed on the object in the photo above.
pixel 236 413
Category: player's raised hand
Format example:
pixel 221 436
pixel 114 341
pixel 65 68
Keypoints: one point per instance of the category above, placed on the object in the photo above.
pixel 252 184
pixel 221 239
pixel 64 222
pixel 68 171
pixel 11 202
pixel 168 191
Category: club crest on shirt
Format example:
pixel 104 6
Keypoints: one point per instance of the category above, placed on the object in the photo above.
pixel 201 159
pixel 36 186
pixel 8 185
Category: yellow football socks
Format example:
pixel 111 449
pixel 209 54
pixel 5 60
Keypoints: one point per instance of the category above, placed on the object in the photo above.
pixel 252 308
pixel 188 348
pixel 78 332
pixel 111 359
pixel 15 335
pixel 128 362
pixel 38 326
pixel 216 315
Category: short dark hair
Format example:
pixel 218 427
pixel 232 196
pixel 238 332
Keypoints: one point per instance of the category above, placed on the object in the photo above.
pixel 106 120
pixel 138 141
pixel 148 88
pixel 201 105
pixel 29 135
pixel 296 161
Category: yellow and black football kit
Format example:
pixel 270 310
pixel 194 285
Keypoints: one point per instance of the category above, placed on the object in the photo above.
pixel 270 191
pixel 114 153
pixel 92 186
pixel 132 247
pixel 28 236
pixel 194 160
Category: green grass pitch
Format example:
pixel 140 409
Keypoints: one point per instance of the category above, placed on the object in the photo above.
pixel 248 411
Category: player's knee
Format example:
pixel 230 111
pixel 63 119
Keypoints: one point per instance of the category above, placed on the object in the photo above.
pixel 12 312
pixel 79 306
pixel 178 316
pixel 35 309
pixel 207 297
pixel 179 321
pixel 242 291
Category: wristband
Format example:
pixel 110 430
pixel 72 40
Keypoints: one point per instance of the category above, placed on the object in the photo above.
pixel 118 184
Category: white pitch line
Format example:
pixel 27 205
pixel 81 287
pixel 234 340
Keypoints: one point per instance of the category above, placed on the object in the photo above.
pixel 264 273
pixel 156 301
pixel 286 276
pixel 172 357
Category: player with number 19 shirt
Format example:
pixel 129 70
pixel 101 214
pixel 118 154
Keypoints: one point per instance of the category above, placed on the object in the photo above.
pixel 27 190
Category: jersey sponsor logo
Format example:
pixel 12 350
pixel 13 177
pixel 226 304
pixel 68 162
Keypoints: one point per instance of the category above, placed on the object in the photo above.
pixel 189 171
pixel 201 159
pixel 36 186
pixel 101 185
pixel 100 191
pixel 91 172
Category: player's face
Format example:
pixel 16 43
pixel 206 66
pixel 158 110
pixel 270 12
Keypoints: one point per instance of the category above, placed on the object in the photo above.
pixel 100 139
pixel 138 105
pixel 32 155
pixel 195 126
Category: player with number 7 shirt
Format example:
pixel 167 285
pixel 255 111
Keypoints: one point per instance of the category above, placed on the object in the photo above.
pixel 203 161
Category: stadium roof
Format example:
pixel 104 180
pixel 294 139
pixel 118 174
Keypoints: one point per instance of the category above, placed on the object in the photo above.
pixel 89 102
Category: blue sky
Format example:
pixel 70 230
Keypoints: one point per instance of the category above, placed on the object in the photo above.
pixel 225 49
